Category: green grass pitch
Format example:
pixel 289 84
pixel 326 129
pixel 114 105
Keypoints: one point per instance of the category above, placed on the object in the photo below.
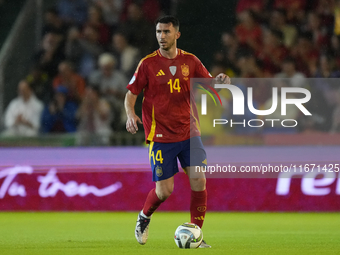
pixel 113 233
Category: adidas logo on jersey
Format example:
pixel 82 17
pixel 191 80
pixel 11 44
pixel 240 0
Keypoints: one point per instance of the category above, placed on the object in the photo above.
pixel 160 73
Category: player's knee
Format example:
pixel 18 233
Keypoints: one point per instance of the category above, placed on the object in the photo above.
pixel 164 193
pixel 197 184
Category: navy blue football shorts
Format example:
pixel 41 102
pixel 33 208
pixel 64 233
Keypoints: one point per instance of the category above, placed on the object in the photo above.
pixel 163 157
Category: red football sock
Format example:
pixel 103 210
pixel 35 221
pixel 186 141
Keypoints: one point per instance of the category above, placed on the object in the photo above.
pixel 151 203
pixel 198 206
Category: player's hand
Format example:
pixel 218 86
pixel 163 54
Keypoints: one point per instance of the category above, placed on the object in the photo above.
pixel 131 124
pixel 223 78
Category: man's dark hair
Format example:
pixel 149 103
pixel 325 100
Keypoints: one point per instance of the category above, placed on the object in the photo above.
pixel 168 19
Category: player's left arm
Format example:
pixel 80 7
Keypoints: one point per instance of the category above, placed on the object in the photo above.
pixel 202 72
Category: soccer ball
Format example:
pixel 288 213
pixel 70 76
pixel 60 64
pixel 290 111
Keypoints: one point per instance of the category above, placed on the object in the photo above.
pixel 188 236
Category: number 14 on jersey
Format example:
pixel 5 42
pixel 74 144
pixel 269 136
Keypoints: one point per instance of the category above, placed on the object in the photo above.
pixel 174 85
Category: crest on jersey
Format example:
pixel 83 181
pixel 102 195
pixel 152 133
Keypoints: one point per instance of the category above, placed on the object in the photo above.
pixel 173 70
pixel 185 70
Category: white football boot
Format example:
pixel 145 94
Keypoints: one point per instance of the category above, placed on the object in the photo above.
pixel 204 245
pixel 142 229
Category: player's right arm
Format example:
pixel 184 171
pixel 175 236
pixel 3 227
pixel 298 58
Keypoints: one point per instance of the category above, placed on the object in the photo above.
pixel 132 118
pixel 136 85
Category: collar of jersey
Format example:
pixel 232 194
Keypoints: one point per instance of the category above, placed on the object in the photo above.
pixel 160 54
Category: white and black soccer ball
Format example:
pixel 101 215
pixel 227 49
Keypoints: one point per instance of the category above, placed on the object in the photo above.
pixel 188 236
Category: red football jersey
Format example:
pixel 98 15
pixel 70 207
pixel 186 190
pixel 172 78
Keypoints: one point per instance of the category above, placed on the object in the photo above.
pixel 168 113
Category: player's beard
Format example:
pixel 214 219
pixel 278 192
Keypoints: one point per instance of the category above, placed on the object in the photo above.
pixel 166 48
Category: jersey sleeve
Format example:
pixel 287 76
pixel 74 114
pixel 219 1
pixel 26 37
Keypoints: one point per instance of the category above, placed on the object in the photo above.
pixel 139 79
pixel 200 70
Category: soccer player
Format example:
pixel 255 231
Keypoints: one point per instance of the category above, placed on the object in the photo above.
pixel 170 121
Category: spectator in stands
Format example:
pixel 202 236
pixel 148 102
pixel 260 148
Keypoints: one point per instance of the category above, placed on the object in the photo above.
pixel 336 10
pixel 325 10
pixel 295 9
pixel 73 12
pixel 22 116
pixel 139 31
pixel 273 51
pixel 111 10
pixel 68 78
pixel 51 53
pixel 327 68
pixel 94 117
pixel 228 52
pixel 248 66
pixel 305 54
pixel 112 83
pixel 278 22
pixel 53 23
pixel 83 49
pixel 254 5
pixel 336 115
pixel 221 67
pixel 248 31
pixel 127 55
pixel 320 35
pixel 95 20
pixel 334 50
pixel 72 51
pixel 150 8
pixel 40 83
pixel 297 79
pixel 217 68
pixel 59 115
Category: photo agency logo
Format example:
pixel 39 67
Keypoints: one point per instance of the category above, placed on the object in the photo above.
pixel 204 96
pixel 280 97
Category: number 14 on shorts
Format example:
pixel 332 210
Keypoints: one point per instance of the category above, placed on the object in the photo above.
pixel 158 157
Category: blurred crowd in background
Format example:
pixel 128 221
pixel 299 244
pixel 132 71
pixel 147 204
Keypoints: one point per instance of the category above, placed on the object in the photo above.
pixel 90 49
pixel 291 40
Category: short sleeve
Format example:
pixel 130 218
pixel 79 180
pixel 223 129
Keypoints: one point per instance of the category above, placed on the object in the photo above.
pixel 200 70
pixel 139 79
